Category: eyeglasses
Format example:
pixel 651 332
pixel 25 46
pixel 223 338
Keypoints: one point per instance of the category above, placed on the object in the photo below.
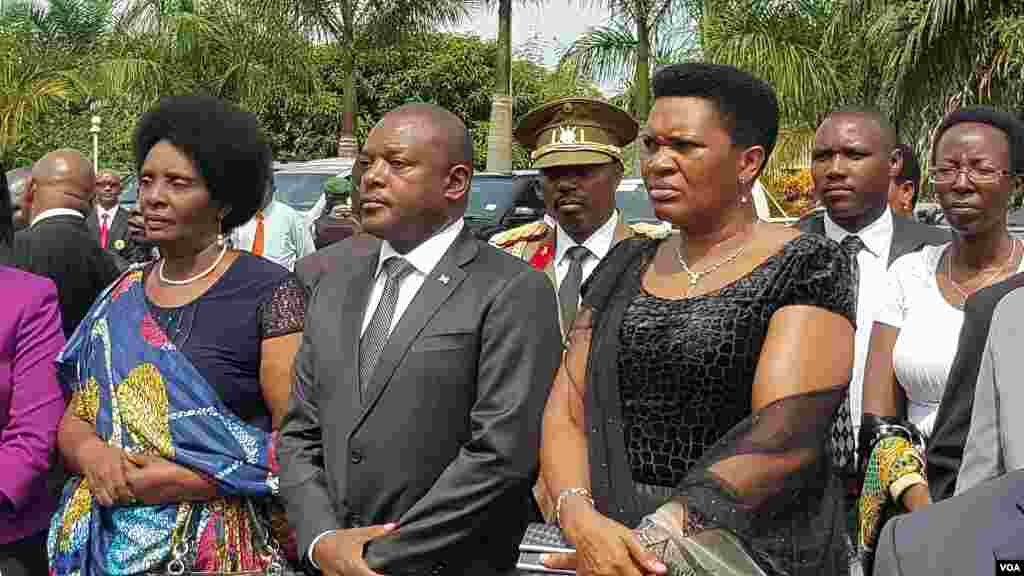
pixel 946 175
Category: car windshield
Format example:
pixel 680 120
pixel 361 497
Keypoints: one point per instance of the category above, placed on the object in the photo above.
pixel 490 197
pixel 635 206
pixel 300 191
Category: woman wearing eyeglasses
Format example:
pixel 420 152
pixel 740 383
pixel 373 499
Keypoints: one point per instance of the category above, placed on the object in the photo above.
pixel 976 158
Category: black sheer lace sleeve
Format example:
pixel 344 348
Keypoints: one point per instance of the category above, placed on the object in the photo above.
pixel 285 311
pixel 770 482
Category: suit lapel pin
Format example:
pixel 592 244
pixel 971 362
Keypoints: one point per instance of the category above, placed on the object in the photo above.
pixel 444 279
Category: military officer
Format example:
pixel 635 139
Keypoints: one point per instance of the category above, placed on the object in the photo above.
pixel 577 144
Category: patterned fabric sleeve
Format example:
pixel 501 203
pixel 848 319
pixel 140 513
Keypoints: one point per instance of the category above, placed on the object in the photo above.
pixel 285 311
pixel 821 275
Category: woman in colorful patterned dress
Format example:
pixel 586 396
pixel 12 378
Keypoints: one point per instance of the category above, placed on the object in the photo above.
pixel 180 372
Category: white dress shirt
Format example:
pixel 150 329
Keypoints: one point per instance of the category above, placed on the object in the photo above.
pixel 872 263
pixel 424 258
pixel 55 212
pixel 599 244
pixel 286 238
pixel 101 211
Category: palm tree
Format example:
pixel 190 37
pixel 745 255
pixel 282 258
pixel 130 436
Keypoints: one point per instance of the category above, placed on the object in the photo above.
pixel 30 85
pixel 640 34
pixel 499 133
pixel 608 53
pixel 356 23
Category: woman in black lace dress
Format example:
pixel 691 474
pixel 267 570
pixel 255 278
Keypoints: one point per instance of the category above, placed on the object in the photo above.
pixel 694 404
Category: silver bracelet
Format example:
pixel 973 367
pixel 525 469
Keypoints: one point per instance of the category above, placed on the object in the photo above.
pixel 571 492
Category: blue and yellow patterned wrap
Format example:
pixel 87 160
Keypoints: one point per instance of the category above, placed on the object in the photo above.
pixel 144 396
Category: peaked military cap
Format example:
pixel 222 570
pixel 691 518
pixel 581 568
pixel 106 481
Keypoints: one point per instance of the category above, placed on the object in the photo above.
pixel 574 131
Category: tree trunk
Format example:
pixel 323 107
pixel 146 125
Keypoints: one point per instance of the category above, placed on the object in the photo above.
pixel 642 78
pixel 347 145
pixel 499 134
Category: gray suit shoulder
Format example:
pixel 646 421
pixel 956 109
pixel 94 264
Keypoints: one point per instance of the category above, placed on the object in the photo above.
pixel 312 268
pixel 925 233
pixel 959 535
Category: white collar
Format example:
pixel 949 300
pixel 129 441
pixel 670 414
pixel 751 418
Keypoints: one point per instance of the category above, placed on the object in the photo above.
pixel 100 211
pixel 877 236
pixel 424 258
pixel 599 243
pixel 55 212
pixel 266 211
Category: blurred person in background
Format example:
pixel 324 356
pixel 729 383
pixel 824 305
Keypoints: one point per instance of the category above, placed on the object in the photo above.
pixel 58 244
pixel 107 221
pixel 338 220
pixel 276 232
pixel 31 405
pixel 906 184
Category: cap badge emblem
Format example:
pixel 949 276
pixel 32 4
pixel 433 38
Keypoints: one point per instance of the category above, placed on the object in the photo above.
pixel 567 135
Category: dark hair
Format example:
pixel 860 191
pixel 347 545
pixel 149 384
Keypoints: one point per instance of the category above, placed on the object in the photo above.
pixel 911 170
pixel 1004 121
pixel 747 105
pixel 226 144
pixel 6 210
pixel 889 135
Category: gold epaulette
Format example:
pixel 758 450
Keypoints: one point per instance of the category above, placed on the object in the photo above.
pixel 525 233
pixel 651 230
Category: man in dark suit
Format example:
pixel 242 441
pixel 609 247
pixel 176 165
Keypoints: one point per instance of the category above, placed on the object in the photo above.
pixel 411 442
pixel 107 222
pixel 57 244
pixel 967 534
pixel 854 158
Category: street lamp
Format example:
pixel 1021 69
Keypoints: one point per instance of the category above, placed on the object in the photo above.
pixel 95 143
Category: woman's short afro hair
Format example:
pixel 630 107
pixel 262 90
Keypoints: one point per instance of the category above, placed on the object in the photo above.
pixel 998 119
pixel 747 105
pixel 224 142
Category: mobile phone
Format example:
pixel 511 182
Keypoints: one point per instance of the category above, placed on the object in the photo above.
pixel 529 563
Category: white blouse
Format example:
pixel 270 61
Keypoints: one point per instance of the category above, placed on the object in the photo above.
pixel 929 332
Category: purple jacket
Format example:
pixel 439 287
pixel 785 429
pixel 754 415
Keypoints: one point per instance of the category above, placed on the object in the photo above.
pixel 31 401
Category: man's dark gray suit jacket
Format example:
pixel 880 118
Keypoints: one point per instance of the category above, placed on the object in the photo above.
pixel 907 235
pixel 118 228
pixel 964 534
pixel 447 442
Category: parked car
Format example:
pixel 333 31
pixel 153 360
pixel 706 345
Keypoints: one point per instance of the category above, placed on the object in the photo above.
pixel 301 184
pixel 498 202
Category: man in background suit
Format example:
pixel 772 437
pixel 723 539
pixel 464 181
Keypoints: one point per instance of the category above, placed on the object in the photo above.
pixel 107 222
pixel 970 444
pixel 426 361
pixel 57 244
pixel 966 534
pixel 853 161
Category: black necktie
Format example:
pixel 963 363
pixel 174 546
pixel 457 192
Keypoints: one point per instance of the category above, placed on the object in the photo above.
pixel 844 455
pixel 376 335
pixel 569 291
pixel 852 245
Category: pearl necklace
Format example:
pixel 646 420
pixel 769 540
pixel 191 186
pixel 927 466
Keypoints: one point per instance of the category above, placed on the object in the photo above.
pixel 200 276
pixel 964 295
